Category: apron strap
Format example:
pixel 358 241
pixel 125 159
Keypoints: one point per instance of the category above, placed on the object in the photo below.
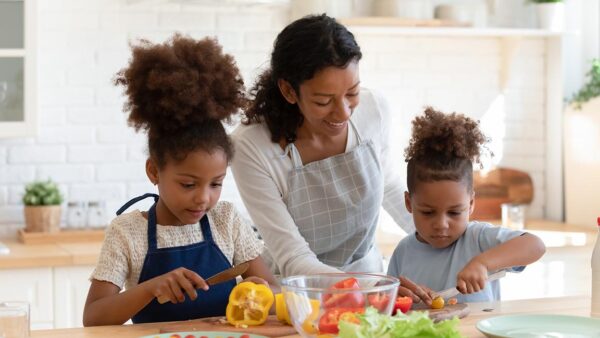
pixel 135 200
pixel 152 228
pixel 205 227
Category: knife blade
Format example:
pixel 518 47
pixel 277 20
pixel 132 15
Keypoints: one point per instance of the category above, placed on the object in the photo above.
pixel 451 292
pixel 217 278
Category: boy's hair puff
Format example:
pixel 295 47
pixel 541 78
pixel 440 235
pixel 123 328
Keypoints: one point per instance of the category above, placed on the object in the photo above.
pixel 177 88
pixel 443 147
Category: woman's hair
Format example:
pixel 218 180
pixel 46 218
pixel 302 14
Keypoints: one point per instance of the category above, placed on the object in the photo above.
pixel 303 48
pixel 443 147
pixel 179 91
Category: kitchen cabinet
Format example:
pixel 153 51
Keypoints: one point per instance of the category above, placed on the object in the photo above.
pixel 71 286
pixel 34 286
pixel 17 68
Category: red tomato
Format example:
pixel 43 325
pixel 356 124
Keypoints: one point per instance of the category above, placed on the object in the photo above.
pixel 328 323
pixel 379 301
pixel 346 299
pixel 403 304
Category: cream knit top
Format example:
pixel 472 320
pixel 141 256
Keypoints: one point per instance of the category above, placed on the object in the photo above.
pixel 126 242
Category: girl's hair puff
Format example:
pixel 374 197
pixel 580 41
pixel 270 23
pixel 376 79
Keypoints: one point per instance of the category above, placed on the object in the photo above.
pixel 179 91
pixel 443 147
pixel 301 49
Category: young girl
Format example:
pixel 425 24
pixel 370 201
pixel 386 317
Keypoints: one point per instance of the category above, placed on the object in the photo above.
pixel 447 250
pixel 178 92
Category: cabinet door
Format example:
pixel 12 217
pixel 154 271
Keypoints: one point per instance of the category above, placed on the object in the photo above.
pixel 33 286
pixel 71 286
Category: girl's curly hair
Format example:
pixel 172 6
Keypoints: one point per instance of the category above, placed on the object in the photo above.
pixel 443 147
pixel 303 48
pixel 179 92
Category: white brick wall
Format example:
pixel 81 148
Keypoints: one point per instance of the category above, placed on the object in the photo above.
pixel 85 144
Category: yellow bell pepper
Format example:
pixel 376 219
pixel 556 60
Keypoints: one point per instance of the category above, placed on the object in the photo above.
pixel 283 315
pixel 249 304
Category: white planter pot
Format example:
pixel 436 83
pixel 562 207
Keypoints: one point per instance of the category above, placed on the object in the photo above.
pixel 333 8
pixel 410 9
pixel 551 16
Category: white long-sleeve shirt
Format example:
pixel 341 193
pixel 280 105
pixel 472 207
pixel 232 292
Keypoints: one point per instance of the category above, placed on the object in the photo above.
pixel 260 168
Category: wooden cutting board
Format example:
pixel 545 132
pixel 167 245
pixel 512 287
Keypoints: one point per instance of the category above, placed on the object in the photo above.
pixel 501 185
pixel 447 312
pixel 271 328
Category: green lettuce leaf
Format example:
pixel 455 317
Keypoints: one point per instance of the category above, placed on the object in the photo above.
pixel 416 324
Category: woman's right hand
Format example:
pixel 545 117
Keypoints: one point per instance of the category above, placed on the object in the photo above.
pixel 417 292
pixel 172 285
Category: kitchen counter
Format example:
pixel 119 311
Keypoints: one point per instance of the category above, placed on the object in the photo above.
pixel 49 255
pixel 579 306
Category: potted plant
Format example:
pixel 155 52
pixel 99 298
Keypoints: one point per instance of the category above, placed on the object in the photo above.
pixel 582 151
pixel 550 14
pixel 42 201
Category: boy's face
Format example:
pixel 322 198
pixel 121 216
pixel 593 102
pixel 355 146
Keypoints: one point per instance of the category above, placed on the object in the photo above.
pixel 190 188
pixel 440 210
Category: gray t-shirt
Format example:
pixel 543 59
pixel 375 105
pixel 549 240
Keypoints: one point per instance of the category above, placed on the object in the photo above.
pixel 437 268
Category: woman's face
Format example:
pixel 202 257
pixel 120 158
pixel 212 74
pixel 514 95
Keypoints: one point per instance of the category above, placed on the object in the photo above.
pixel 327 100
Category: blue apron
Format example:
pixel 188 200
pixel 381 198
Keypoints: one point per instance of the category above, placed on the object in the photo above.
pixel 204 258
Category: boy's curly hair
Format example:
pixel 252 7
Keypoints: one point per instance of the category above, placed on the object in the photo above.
pixel 443 147
pixel 179 91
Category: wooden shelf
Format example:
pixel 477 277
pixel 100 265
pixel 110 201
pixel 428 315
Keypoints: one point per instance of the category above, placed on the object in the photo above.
pixel 65 236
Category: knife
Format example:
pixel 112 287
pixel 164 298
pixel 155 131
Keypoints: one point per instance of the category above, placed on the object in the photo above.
pixel 220 277
pixel 451 292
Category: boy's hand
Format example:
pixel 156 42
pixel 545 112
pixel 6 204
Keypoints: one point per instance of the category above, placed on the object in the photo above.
pixel 171 285
pixel 417 292
pixel 472 277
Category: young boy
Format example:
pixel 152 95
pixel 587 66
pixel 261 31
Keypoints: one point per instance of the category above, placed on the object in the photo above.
pixel 447 250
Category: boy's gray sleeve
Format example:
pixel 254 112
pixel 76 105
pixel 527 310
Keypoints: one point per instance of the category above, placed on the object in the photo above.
pixel 491 236
pixel 394 267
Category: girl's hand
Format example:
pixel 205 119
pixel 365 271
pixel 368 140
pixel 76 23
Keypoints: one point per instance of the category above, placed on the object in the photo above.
pixel 472 277
pixel 417 292
pixel 172 285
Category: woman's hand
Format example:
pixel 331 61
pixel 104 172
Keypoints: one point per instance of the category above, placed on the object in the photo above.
pixel 472 277
pixel 417 292
pixel 172 285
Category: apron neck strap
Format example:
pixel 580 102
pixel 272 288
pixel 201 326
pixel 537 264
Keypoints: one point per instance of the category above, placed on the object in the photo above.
pixel 135 200
pixel 205 227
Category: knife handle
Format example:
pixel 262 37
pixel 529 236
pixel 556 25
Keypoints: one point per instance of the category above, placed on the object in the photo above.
pixel 496 275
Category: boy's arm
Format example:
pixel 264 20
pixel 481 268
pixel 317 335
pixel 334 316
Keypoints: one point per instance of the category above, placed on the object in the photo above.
pixel 518 251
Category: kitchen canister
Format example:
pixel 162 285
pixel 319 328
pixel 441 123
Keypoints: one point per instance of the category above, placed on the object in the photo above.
pixel 333 8
pixel 409 9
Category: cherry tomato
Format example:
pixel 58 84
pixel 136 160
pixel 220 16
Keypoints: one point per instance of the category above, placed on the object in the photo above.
pixel 344 299
pixel 437 303
pixel 403 304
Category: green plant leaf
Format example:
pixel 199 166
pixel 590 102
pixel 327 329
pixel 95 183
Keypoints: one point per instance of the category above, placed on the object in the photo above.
pixel 42 193
pixel 591 89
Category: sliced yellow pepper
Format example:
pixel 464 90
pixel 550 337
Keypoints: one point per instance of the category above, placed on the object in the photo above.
pixel 249 304
pixel 283 315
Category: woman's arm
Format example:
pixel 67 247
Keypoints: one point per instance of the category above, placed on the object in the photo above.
pixel 255 174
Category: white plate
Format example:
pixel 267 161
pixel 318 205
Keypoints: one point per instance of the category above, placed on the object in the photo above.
pixel 540 326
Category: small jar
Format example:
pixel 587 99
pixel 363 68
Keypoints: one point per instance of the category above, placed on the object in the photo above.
pixel 76 215
pixel 96 214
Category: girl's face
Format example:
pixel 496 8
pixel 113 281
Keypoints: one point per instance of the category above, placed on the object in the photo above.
pixel 327 100
pixel 190 188
pixel 441 211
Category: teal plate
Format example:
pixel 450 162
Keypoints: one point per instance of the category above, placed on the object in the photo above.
pixel 539 326
pixel 204 334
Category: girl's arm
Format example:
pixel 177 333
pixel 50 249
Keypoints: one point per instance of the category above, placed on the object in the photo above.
pixel 105 305
pixel 259 269
pixel 519 251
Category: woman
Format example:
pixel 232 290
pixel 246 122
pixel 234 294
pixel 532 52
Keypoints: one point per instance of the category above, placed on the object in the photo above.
pixel 311 165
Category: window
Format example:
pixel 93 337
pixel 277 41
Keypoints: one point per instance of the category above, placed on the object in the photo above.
pixel 17 68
